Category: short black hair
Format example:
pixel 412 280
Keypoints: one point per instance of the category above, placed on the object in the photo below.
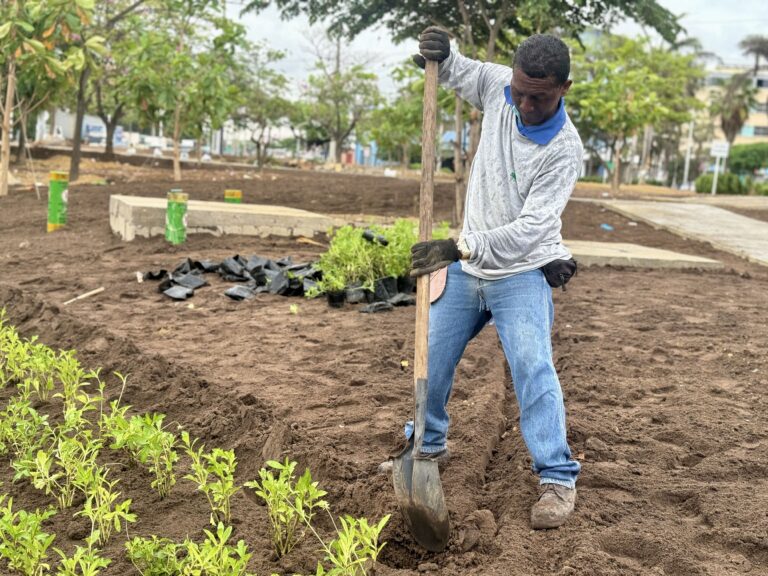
pixel 542 56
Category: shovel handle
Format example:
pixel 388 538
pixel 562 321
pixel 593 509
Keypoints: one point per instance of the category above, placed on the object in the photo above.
pixel 428 138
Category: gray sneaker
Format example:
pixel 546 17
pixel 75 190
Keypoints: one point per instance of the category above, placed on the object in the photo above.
pixel 554 506
pixel 440 457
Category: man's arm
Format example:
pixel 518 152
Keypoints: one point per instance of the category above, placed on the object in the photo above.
pixel 506 245
pixel 472 79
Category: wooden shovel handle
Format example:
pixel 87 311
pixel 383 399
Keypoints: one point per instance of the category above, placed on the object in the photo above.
pixel 428 138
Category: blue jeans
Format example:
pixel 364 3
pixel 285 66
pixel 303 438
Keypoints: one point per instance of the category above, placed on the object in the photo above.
pixel 522 310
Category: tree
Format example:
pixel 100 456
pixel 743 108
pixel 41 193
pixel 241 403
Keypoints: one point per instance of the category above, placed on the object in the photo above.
pixel 36 38
pixel 184 67
pixel 620 85
pixel 757 46
pixel 340 95
pixel 107 17
pixel 263 88
pixel 732 102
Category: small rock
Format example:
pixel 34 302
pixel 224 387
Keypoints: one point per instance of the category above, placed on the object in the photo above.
pixel 428 567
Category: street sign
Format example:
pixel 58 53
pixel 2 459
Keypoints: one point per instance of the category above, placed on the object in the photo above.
pixel 719 148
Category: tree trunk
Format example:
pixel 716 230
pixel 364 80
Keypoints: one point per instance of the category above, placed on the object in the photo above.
pixel 616 166
pixel 339 144
pixel 22 140
pixel 5 155
pixel 406 157
pixel 109 150
pixel 458 164
pixel 77 144
pixel 177 144
pixel 52 120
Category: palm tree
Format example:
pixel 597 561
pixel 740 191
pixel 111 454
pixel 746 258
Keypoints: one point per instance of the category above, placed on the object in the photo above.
pixel 732 104
pixel 757 45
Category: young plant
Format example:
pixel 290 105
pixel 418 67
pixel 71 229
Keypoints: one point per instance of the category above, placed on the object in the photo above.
pixel 214 557
pixel 291 504
pixel 73 378
pixel 146 441
pixel 219 464
pixel 356 548
pixel 101 506
pixel 84 562
pixel 57 469
pixel 22 541
pixel 22 429
pixel 155 556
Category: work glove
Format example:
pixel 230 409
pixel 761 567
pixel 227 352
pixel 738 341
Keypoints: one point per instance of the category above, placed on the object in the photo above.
pixel 434 44
pixel 433 255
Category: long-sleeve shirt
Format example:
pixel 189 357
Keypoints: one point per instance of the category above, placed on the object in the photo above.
pixel 517 189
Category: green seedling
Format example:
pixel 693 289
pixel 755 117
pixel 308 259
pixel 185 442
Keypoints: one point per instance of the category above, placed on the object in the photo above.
pixel 291 503
pixel 356 548
pixel 219 464
pixel 22 429
pixel 58 469
pixel 22 541
pixel 73 379
pixel 155 556
pixel 294 309
pixel 213 557
pixel 84 562
pixel 39 369
pixel 101 505
pixel 147 443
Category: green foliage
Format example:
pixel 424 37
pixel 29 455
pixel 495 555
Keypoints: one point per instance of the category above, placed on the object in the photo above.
pixel 355 549
pixel 154 556
pixel 339 96
pixel 146 441
pixel 726 184
pixel 59 470
pixel 748 157
pixel 213 557
pixel 352 259
pixel 760 188
pixel 219 464
pixel 22 541
pixel 84 562
pixel 101 504
pixel 290 503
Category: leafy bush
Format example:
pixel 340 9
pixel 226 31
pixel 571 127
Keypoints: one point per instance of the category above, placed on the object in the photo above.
pixel 727 183
pixel 748 157
pixel 594 179
pixel 760 188
pixel 351 259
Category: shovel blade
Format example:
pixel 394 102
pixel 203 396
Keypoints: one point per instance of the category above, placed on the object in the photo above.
pixel 420 498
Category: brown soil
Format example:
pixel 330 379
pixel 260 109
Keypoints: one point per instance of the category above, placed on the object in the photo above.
pixel 664 374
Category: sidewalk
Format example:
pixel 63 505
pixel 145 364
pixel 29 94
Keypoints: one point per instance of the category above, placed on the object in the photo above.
pixel 745 237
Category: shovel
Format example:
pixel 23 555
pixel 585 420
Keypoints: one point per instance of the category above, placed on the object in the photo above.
pixel 417 480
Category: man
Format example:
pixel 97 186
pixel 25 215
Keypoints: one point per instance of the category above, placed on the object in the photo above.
pixel 509 254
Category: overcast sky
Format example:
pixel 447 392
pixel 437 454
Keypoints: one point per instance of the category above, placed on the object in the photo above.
pixel 718 24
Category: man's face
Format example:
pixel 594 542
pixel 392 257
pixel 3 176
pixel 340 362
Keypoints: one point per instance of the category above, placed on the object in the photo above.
pixel 536 99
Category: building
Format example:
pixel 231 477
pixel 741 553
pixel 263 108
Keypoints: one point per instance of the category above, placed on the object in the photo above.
pixel 755 129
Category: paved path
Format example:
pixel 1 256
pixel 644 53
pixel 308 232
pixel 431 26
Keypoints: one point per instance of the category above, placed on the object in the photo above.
pixel 745 237
pixel 623 254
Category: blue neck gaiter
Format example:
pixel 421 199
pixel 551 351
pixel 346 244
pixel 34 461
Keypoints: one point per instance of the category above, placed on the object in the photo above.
pixel 542 133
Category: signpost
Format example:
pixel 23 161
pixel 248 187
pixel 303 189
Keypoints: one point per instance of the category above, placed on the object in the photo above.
pixel 718 149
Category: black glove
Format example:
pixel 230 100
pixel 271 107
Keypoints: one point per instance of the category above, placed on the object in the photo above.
pixel 434 44
pixel 433 255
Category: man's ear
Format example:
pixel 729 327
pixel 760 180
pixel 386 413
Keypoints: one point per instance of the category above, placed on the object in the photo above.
pixel 565 87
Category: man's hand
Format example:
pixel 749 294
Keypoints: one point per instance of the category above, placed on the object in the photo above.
pixel 433 255
pixel 434 44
